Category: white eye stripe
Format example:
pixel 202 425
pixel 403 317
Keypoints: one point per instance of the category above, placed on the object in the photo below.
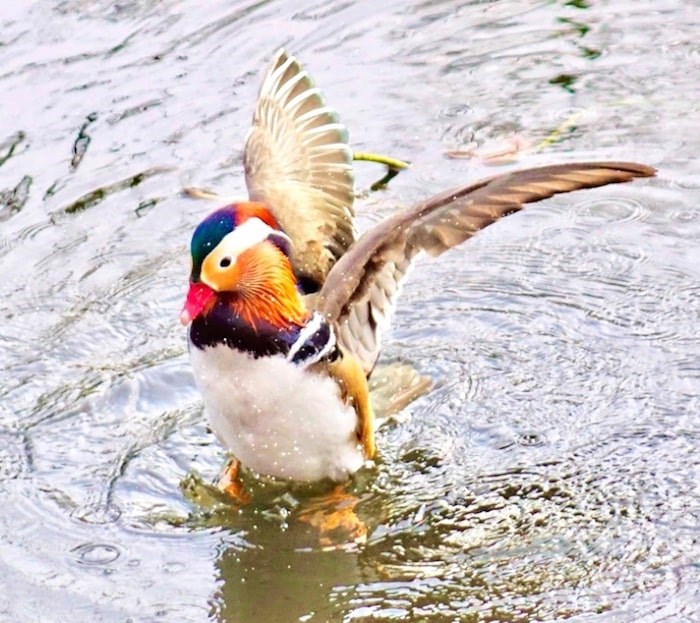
pixel 251 232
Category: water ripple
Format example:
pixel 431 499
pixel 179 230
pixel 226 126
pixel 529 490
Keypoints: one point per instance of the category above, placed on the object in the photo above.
pixel 95 554
pixel 611 211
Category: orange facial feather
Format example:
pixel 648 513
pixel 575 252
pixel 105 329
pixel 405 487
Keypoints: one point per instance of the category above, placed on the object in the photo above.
pixel 267 288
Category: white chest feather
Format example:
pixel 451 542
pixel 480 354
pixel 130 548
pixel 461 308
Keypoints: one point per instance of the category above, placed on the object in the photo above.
pixel 276 418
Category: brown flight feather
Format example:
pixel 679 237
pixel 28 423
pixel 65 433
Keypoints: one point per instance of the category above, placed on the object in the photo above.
pixel 297 161
pixel 359 294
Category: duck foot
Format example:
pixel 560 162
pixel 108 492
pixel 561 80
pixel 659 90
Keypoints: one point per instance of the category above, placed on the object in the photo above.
pixel 333 515
pixel 229 483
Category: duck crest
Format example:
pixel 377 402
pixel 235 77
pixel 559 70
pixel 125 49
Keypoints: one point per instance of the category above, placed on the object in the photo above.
pixel 211 231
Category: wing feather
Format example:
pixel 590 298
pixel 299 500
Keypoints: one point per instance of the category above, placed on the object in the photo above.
pixel 298 162
pixel 360 292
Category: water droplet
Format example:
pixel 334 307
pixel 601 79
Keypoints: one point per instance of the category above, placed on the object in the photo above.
pixel 173 567
pixel 95 554
pixel 458 110
pixel 531 439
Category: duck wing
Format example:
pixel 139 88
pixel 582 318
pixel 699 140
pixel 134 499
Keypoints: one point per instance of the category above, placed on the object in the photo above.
pixel 298 162
pixel 360 292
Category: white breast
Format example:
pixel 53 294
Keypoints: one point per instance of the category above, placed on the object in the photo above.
pixel 275 418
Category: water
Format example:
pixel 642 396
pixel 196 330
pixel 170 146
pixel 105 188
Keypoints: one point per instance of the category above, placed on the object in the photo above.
pixel 553 472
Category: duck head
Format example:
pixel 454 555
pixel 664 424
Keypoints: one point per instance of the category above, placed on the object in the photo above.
pixel 241 257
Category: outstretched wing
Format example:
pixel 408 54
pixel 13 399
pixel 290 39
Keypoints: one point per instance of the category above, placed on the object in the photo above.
pixel 298 162
pixel 360 292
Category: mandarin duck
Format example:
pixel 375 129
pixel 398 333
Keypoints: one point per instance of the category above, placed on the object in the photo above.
pixel 286 308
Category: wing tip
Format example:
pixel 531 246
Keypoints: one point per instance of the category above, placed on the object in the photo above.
pixel 635 169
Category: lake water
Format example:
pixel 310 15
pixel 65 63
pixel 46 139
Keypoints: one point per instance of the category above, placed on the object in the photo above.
pixel 554 471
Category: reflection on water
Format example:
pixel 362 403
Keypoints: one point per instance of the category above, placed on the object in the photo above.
pixel 277 581
pixel 551 474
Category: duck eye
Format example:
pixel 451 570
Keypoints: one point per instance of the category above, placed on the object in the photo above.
pixel 225 262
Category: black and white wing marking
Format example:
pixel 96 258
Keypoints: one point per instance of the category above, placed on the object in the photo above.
pixel 316 341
